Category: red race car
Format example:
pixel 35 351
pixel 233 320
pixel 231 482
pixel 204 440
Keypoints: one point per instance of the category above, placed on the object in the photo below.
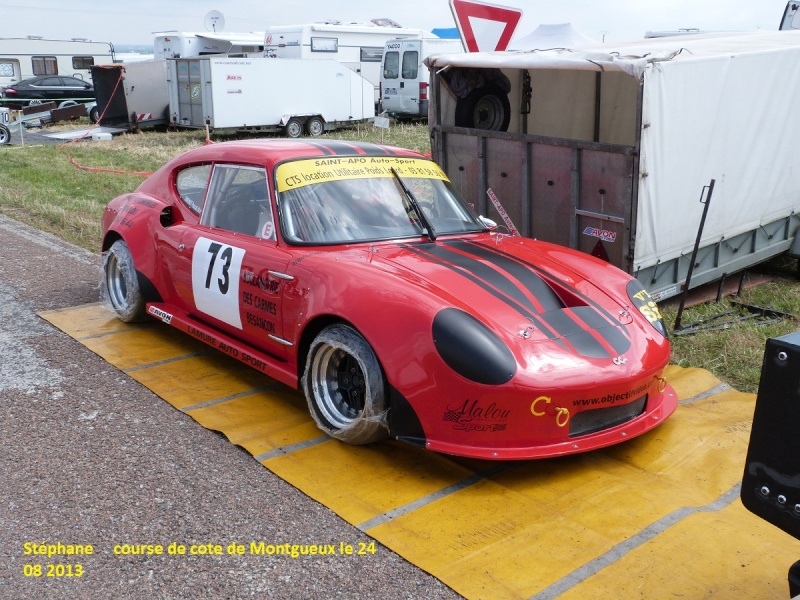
pixel 354 272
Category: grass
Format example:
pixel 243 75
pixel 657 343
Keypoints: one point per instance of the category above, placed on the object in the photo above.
pixel 41 186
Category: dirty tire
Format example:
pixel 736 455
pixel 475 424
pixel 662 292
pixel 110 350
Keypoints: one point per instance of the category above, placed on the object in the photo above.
pixel 293 128
pixel 122 283
pixel 94 114
pixel 486 107
pixel 5 135
pixel 345 387
pixel 315 126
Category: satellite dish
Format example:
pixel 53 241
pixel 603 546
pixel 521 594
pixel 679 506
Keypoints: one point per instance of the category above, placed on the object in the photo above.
pixel 214 21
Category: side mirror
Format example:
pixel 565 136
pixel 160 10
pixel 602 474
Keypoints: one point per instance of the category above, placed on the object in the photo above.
pixel 488 223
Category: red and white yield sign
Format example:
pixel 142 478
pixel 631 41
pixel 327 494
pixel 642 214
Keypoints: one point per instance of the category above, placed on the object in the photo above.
pixel 484 27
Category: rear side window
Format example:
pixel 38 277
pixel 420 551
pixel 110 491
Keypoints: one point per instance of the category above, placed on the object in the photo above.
pixel 410 64
pixel 391 65
pixel 192 184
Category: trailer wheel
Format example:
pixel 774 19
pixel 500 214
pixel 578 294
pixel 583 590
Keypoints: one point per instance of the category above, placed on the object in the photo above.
pixel 484 108
pixel 94 114
pixel 5 135
pixel 294 128
pixel 315 126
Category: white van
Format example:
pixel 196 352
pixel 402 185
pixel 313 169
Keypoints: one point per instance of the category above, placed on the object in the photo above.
pixel 404 76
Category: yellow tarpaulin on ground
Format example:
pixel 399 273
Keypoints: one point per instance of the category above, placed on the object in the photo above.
pixel 658 516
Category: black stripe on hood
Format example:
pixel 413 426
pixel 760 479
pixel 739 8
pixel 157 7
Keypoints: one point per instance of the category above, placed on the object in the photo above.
pixel 588 328
pixel 598 319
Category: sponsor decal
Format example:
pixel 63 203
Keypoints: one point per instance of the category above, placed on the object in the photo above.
pixel 472 415
pixel 262 282
pixel 502 211
pixel 670 291
pixel 603 234
pixel 160 314
pixel 647 306
pixel 614 398
pixel 543 406
pixel 299 173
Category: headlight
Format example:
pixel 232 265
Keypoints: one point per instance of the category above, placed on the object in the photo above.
pixel 471 349
pixel 645 304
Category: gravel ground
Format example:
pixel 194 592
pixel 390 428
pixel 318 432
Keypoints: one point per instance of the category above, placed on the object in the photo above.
pixel 92 458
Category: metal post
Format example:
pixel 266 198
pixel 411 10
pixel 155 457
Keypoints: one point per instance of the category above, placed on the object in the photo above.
pixel 706 203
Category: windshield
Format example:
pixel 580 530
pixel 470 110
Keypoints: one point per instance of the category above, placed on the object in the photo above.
pixel 358 199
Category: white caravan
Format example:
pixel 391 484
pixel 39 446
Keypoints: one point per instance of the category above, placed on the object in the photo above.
pixel 358 46
pixel 183 44
pixel 22 58
pixel 405 77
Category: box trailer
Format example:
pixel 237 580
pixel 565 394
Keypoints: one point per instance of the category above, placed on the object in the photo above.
pixel 608 149
pixel 133 95
pixel 267 94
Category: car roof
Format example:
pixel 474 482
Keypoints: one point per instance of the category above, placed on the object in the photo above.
pixel 267 152
pixel 274 150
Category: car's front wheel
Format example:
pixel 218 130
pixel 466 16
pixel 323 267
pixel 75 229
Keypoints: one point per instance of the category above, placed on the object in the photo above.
pixel 345 387
pixel 122 283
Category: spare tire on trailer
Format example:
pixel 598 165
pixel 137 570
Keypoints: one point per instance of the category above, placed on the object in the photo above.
pixel 485 107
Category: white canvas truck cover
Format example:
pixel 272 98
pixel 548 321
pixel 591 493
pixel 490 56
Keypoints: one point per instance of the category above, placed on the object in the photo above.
pixel 714 106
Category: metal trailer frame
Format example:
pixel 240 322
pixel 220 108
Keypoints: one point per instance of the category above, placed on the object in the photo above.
pixel 557 189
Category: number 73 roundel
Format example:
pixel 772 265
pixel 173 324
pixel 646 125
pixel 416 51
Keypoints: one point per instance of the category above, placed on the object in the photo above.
pixel 216 270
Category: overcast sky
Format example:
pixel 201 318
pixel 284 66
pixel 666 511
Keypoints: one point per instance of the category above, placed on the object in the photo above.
pixel 134 22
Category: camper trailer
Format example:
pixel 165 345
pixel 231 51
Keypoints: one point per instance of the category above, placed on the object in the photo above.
pixel 613 149
pixel 22 58
pixel 183 44
pixel 358 46
pixel 404 76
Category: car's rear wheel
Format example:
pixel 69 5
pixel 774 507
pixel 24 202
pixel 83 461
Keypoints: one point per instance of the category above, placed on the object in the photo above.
pixel 122 283
pixel 345 387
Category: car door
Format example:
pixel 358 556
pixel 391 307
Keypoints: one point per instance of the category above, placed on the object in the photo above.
pixel 236 267
pixel 72 87
pixel 47 88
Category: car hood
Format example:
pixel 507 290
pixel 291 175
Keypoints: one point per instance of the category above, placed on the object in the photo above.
pixel 522 293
